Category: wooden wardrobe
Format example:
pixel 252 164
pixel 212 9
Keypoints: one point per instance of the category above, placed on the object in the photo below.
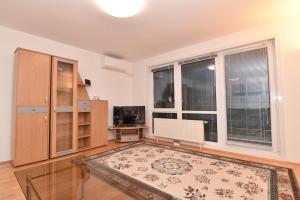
pixel 48 104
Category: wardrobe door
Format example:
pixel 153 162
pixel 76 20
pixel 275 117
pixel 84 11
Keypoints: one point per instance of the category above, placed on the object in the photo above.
pixel 32 78
pixel 32 90
pixel 32 138
pixel 64 107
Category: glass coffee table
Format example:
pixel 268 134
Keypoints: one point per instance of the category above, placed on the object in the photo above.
pixel 80 178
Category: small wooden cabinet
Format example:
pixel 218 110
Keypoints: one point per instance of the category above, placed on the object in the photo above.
pixel 99 136
pixel 47 122
pixel 92 124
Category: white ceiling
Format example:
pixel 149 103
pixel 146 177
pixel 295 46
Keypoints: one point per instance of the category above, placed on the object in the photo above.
pixel 162 26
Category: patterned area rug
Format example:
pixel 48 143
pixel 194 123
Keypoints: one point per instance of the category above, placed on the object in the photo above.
pixel 185 174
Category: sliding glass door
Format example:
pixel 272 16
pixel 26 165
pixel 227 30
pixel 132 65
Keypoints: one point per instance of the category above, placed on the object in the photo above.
pixel 248 97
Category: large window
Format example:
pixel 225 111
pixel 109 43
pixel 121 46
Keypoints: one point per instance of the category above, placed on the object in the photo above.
pixel 233 91
pixel 199 95
pixel 163 83
pixel 248 97
pixel 198 86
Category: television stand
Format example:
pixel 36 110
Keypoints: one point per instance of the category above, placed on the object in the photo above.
pixel 128 133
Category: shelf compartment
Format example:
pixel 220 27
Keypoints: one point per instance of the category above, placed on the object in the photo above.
pixel 84 130
pixel 84 118
pixel 64 97
pixel 84 143
pixel 84 136
pixel 64 130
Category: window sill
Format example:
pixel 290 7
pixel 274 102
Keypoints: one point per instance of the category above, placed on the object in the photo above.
pixel 250 146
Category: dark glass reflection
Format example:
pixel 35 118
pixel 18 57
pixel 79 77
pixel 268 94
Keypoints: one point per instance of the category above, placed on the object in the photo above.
pixel 163 82
pixel 198 86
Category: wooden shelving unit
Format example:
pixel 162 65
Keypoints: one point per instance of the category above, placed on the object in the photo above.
pixel 45 81
pixel 84 117
pixel 84 130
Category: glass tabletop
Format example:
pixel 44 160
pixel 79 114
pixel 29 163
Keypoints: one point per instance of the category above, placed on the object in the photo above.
pixel 80 178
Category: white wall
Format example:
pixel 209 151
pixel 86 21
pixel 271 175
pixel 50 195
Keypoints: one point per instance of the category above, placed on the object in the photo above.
pixel 286 32
pixel 122 89
pixel 110 85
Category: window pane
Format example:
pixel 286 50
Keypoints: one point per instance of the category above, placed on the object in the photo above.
pixel 198 86
pixel 210 128
pixel 163 82
pixel 247 97
pixel 162 115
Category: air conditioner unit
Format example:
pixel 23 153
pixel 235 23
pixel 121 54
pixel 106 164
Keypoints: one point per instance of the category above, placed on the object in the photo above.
pixel 117 65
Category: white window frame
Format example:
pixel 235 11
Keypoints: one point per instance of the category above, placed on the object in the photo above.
pixel 163 110
pixel 269 44
pixel 216 112
pixel 221 96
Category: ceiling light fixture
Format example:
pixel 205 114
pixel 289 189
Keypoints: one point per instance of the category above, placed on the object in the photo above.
pixel 121 8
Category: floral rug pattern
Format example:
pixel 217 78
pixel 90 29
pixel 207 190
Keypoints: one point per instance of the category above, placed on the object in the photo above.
pixel 192 175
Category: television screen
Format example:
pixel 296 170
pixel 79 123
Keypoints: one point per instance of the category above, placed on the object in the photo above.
pixel 129 115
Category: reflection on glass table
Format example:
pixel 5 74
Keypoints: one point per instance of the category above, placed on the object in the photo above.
pixel 80 178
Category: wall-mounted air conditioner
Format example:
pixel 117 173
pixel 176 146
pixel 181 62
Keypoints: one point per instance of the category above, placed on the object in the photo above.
pixel 118 65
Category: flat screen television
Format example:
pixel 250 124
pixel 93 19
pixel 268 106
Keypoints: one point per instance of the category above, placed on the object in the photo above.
pixel 128 115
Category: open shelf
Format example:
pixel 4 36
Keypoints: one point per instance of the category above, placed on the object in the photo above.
pixel 84 118
pixel 84 124
pixel 84 130
pixel 84 136
pixel 84 143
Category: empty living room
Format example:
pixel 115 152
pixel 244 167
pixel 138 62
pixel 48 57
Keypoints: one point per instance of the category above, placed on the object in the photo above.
pixel 150 100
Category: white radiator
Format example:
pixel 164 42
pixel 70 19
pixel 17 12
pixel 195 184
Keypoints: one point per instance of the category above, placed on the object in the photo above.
pixel 185 130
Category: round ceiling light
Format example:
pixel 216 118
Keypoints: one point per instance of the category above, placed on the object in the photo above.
pixel 121 8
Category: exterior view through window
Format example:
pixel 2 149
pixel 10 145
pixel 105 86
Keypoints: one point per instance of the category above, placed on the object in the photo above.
pixel 248 97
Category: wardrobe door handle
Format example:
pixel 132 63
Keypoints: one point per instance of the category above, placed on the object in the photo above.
pixel 46 118
pixel 46 99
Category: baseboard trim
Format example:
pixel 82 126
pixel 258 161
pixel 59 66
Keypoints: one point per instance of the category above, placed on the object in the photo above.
pixel 5 163
pixel 228 152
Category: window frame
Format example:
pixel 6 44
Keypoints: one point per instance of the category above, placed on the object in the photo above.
pixel 154 70
pixel 216 112
pixel 273 94
pixel 274 90
pixel 215 82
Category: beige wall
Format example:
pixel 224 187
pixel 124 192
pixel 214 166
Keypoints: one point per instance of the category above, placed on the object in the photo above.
pixel 114 86
pixel 286 32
